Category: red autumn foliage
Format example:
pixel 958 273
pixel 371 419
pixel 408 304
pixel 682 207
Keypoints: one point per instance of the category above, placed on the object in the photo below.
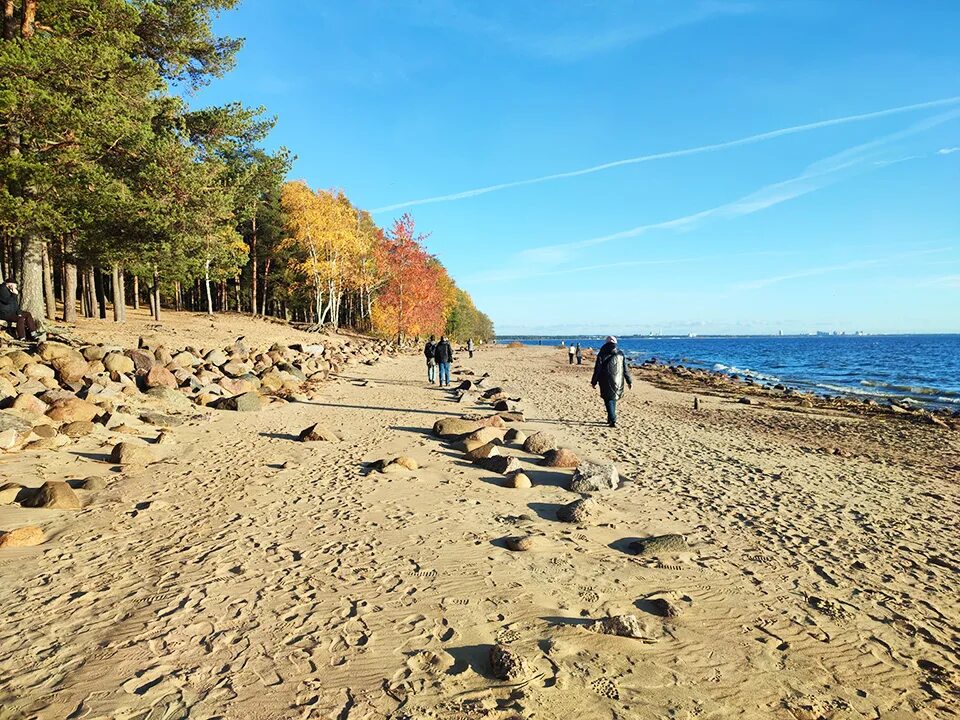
pixel 411 301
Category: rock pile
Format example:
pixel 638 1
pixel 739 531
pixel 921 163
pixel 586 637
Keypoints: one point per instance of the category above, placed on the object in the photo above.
pixel 68 389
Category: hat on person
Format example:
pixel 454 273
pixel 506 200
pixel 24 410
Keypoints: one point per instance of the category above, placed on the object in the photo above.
pixel 611 339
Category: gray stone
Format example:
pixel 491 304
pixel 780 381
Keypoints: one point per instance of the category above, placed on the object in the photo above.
pixel 245 402
pixel 660 545
pixel 579 511
pixel 628 626
pixel 54 495
pixel 539 443
pixel 594 476
pixel 506 664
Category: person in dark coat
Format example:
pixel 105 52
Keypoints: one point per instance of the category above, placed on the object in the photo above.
pixel 579 354
pixel 610 373
pixel 443 354
pixel 26 326
pixel 428 351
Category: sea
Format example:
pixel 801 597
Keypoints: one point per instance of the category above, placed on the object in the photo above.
pixel 918 370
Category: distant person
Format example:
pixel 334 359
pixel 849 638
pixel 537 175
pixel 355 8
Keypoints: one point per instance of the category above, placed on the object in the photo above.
pixel 26 326
pixel 571 350
pixel 470 346
pixel 443 354
pixel 429 351
pixel 610 373
pixel 579 354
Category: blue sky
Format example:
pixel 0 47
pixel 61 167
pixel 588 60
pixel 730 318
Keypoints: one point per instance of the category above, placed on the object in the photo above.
pixel 463 113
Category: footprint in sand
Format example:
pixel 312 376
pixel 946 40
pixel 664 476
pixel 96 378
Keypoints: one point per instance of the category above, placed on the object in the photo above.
pixel 605 687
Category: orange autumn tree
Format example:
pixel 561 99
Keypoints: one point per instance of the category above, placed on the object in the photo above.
pixel 411 301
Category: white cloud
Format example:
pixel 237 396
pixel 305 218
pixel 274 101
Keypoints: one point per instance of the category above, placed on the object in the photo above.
pixel 748 140
pixel 948 150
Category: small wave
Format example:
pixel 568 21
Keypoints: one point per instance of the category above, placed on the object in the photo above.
pixel 744 372
pixel 913 389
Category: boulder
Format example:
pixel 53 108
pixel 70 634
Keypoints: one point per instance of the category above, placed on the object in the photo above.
pixel 216 357
pixel 594 476
pixel 160 419
pixel 185 359
pixel 36 371
pixel 94 483
pixel 481 437
pixel 173 399
pixel 130 453
pixel 77 428
pixel 163 356
pixel 115 362
pixel 517 480
pixel 72 409
pixel 235 368
pixel 245 402
pixel 669 544
pixel 560 458
pixel 22 537
pixel 579 511
pixel 539 443
pixel 506 664
pixel 482 452
pixel 465 385
pixel 396 464
pixel 142 361
pixel 236 386
pixel 49 351
pixel 628 626
pixel 13 492
pixel 54 495
pixel 519 544
pixel 514 437
pixel 158 376
pixel 19 359
pixel 460 427
pixel 501 464
pixel 94 352
pixel 30 404
pixel 491 392
pixel 317 433
pixel 70 369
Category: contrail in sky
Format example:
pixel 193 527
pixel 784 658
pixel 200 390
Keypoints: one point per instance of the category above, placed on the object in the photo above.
pixel 749 140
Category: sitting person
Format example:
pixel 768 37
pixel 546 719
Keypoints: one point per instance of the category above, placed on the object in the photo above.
pixel 26 326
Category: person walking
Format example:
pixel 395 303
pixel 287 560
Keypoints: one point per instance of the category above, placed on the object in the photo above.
pixel 579 354
pixel 26 326
pixel 570 351
pixel 443 354
pixel 470 346
pixel 610 373
pixel 428 351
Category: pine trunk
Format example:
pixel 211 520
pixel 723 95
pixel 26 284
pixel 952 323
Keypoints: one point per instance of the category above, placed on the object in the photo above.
pixel 155 294
pixel 206 282
pixel 266 274
pixel 136 292
pixel 31 280
pixel 101 293
pixel 69 292
pixel 117 297
pixel 253 267
pixel 49 297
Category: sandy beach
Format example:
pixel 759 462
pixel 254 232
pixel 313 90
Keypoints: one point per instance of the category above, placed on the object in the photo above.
pixel 249 575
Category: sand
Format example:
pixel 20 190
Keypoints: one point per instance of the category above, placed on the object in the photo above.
pixel 249 575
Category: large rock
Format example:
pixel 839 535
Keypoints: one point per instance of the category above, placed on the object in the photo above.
pixel 72 409
pixel 216 357
pixel 579 511
pixel 460 427
pixel 514 437
pixel 12 492
pixel 118 363
pixel 236 386
pixel 77 428
pixel 397 464
pixel 159 376
pixel 22 537
pixel 560 458
pixel 173 399
pixel 520 543
pixel 130 453
pixel 70 369
pixel 37 371
pixel 628 626
pixel 49 351
pixel 539 443
pixel 185 359
pixel 317 433
pixel 669 544
pixel 235 368
pixel 506 664
pixel 54 495
pixel 481 437
pixel 245 402
pixel 19 359
pixel 501 464
pixel 594 476
pixel 482 452
pixel 518 481
pixel 142 361
pixel 30 404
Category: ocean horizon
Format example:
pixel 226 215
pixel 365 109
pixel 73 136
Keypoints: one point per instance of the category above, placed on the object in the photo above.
pixel 921 369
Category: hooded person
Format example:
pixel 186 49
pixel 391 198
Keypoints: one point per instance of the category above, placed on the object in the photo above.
pixel 443 354
pixel 610 373
pixel 428 351
pixel 26 326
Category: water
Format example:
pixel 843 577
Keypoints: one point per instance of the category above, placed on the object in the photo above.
pixel 920 369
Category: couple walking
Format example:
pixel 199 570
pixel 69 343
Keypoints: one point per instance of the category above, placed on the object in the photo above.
pixel 439 355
